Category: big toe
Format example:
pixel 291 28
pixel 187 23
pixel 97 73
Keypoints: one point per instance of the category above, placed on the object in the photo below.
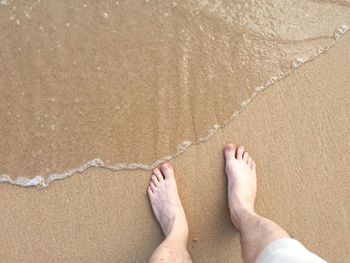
pixel 167 170
pixel 230 151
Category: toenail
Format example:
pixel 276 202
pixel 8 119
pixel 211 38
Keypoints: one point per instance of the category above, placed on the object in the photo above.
pixel 229 147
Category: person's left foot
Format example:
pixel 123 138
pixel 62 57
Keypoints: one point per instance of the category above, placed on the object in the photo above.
pixel 166 203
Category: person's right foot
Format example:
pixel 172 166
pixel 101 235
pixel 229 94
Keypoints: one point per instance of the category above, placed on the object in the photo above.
pixel 241 175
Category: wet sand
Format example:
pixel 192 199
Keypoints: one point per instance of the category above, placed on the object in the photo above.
pixel 298 133
pixel 129 82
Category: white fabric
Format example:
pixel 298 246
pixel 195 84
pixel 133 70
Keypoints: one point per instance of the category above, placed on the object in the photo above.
pixel 287 250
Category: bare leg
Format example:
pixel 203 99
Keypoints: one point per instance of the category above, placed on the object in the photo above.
pixel 256 231
pixel 167 208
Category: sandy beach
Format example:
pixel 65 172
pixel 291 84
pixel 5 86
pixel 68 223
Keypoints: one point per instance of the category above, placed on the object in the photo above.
pixel 302 150
pixel 297 130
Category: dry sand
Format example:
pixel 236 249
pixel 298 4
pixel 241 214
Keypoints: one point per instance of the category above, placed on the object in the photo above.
pixel 298 132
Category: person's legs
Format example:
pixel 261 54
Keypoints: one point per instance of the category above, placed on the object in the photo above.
pixel 167 208
pixel 256 231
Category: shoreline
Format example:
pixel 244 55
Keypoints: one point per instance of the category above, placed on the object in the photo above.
pixel 296 63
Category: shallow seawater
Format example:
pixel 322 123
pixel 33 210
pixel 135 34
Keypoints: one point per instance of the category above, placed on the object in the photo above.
pixel 129 81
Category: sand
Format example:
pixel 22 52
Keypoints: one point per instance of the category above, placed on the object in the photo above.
pixel 297 131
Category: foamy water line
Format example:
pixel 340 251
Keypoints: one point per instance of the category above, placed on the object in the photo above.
pixel 45 181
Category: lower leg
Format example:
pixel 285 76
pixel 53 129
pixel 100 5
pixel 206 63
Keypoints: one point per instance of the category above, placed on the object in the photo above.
pixel 256 231
pixel 170 251
pixel 167 208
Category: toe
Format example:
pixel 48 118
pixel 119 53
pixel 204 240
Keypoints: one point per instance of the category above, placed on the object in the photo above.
pixel 159 175
pixel 167 170
pixel 153 187
pixel 245 157
pixel 253 165
pixel 239 152
pixel 249 161
pixel 154 180
pixel 230 151
pixel 149 191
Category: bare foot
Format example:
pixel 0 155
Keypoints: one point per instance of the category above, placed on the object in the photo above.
pixel 241 176
pixel 166 203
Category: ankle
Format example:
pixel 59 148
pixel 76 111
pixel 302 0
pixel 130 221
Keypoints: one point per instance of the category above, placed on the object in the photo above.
pixel 178 232
pixel 242 217
pixel 177 239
